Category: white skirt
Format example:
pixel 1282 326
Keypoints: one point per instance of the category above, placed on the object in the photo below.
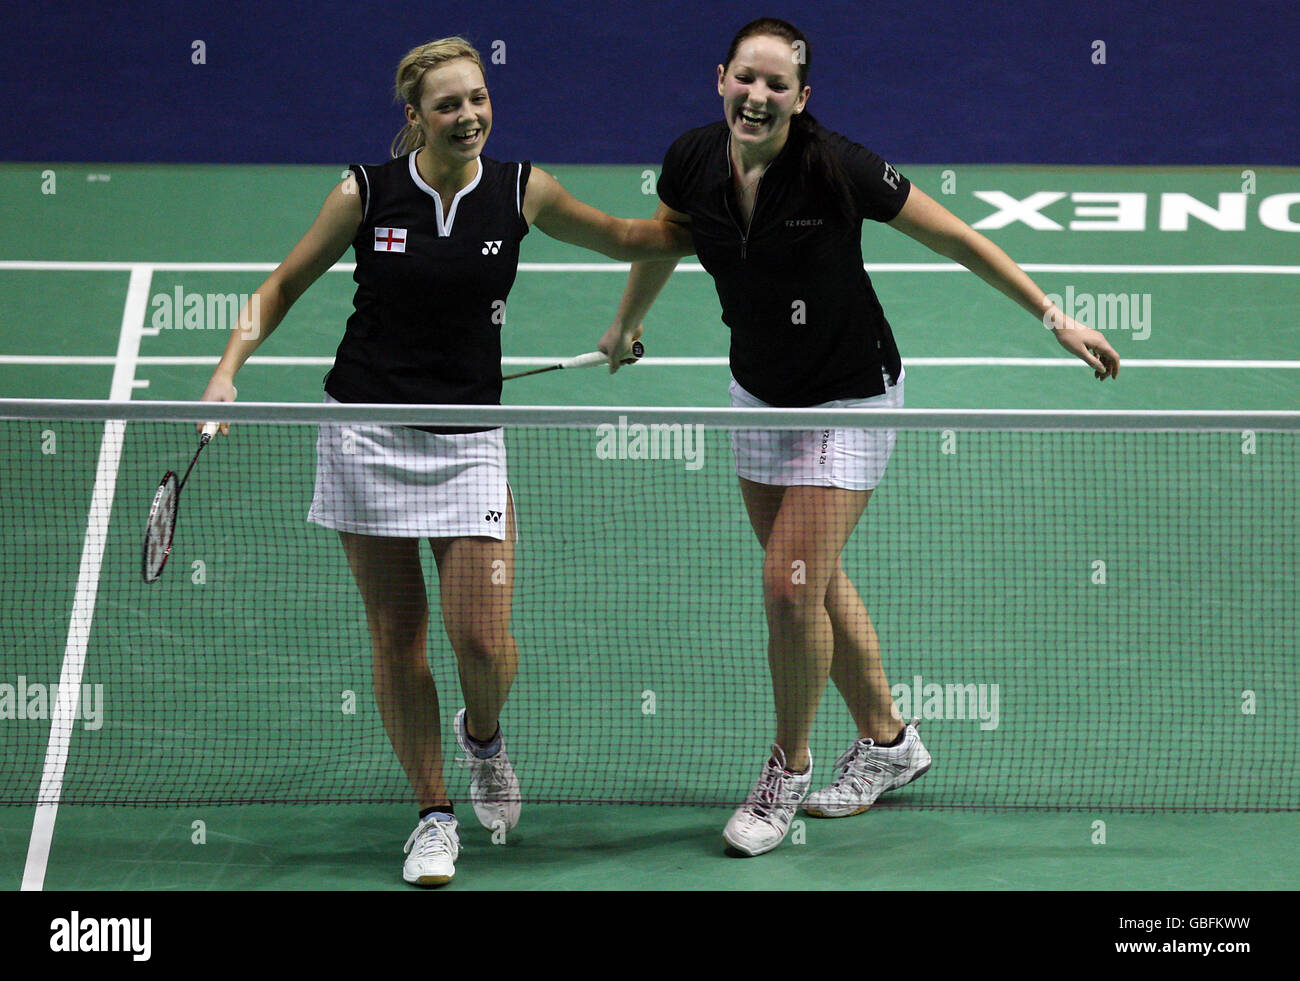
pixel 399 482
pixel 854 459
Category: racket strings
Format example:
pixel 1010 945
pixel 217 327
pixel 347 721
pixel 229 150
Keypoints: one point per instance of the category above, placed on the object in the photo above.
pixel 160 528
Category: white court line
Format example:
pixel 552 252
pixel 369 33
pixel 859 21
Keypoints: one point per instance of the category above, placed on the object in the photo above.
pixel 667 362
pixel 65 711
pixel 622 267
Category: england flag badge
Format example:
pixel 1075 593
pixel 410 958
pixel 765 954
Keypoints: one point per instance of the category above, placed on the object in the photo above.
pixel 390 239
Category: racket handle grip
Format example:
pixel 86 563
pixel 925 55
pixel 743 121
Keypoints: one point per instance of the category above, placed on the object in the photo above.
pixel 585 360
pixel 210 430
pixel 596 357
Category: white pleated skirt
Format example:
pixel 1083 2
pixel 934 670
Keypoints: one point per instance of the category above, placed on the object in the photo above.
pixel 399 482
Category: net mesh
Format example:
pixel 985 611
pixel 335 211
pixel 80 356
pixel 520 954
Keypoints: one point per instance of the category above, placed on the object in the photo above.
pixel 1080 619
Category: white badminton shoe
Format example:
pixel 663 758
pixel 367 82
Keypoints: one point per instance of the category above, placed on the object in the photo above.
pixel 762 822
pixel 865 772
pixel 431 852
pixel 493 786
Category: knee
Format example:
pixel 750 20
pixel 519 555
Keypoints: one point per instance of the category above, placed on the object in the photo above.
pixel 398 633
pixel 400 666
pixel 790 592
pixel 481 643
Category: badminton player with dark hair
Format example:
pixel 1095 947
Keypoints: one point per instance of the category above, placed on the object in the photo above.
pixel 775 203
pixel 436 233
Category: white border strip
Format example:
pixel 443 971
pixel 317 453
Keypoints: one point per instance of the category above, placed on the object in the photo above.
pixel 58 265
pixel 64 715
pixel 587 416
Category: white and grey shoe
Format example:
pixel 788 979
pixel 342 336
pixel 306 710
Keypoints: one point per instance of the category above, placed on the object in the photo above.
pixel 493 786
pixel 431 852
pixel 761 823
pixel 866 771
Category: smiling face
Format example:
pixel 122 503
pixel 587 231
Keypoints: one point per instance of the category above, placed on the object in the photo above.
pixel 455 113
pixel 761 92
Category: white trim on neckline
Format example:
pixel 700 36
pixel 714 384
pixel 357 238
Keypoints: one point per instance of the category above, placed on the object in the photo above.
pixel 444 222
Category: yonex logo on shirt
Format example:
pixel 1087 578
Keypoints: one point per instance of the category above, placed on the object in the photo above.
pixel 390 239
pixel 493 247
pixel 492 516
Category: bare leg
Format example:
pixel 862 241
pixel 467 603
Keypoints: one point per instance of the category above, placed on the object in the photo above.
pixel 477 577
pixel 856 667
pixel 389 574
pixel 805 535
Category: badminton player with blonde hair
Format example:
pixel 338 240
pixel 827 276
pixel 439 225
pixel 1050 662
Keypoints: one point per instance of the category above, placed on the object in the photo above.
pixel 436 232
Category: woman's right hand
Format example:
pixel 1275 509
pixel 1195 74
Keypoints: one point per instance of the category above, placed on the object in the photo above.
pixel 220 389
pixel 616 344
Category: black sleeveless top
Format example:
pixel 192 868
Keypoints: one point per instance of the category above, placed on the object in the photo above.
pixel 431 288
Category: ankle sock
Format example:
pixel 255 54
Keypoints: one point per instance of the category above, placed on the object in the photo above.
pixel 898 740
pixel 485 750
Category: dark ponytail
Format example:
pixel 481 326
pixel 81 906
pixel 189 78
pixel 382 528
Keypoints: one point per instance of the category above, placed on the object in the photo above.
pixel 818 165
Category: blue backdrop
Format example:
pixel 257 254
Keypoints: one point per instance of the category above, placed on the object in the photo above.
pixel 937 82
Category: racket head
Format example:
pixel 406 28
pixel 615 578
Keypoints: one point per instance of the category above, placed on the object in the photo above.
pixel 160 528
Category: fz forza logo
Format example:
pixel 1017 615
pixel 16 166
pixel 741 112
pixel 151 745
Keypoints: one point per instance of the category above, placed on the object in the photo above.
pixel 491 247
pixel 891 176
pixel 493 516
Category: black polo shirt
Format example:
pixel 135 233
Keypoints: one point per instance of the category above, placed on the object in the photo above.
pixel 806 326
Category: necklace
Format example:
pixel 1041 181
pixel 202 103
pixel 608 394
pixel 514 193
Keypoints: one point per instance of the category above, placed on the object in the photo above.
pixel 743 187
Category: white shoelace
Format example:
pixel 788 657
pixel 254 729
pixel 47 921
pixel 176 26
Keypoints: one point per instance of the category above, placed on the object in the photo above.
pixel 430 839
pixel 491 771
pixel 850 764
pixel 770 792
pixel 857 781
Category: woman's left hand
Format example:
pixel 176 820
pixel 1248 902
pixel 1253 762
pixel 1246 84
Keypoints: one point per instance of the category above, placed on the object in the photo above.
pixel 1087 345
